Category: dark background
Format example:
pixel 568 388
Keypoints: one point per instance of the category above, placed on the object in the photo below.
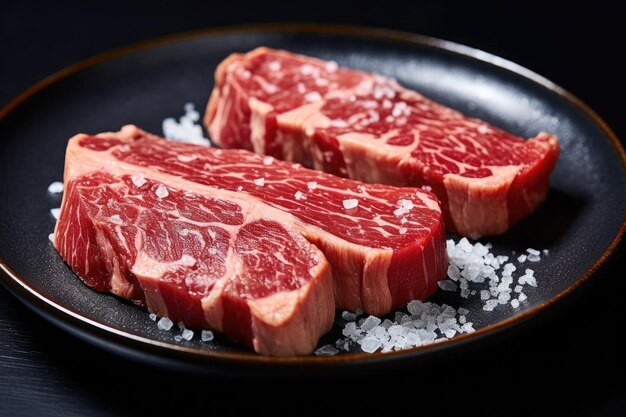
pixel 569 361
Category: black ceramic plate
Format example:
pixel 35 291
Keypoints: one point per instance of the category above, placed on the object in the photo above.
pixel 580 223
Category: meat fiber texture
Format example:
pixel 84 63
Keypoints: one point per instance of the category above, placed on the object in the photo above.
pixel 367 127
pixel 260 249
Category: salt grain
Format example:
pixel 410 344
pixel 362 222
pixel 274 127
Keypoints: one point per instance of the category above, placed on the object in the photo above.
pixel 187 334
pixel 370 323
pixel 55 212
pixel 178 338
pixel 51 237
pixel 259 182
pixel 161 191
pixel 348 316
pixel 350 203
pixel 299 195
pixel 370 344
pixel 55 188
pixel 514 303
pixel 327 350
pixel 153 316
pixel 138 180
pixel 206 335
pixel 186 129
pixel 268 160
pixel 165 324
pixel 490 305
pixel 447 285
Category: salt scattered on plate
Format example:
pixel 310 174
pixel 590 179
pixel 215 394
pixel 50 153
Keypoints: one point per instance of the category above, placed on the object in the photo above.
pixel 186 129
pixel 56 187
pixel 206 335
pixel 164 323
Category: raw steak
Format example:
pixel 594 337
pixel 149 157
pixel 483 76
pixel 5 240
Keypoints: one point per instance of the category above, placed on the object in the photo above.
pixel 232 241
pixel 366 127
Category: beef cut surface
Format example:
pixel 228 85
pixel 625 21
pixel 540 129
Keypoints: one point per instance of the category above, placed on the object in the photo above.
pixel 260 249
pixel 367 127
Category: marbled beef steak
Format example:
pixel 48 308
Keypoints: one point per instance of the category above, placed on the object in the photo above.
pixel 369 128
pixel 239 243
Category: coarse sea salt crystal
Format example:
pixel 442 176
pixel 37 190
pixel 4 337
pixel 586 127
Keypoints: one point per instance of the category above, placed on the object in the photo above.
pixel 187 334
pixel 311 185
pixel 161 191
pixel 350 203
pixel 530 280
pixel 447 285
pixel 164 323
pixel 260 182
pixel 521 258
pixel 51 237
pixel 186 129
pixel 370 344
pixel 514 303
pixel 522 297
pixel 206 335
pixel 453 272
pixel 533 251
pixel 138 180
pixel 348 316
pixel 153 316
pixel 56 187
pixel 370 322
pixel 299 195
pixel 178 338
pixel 268 160
pixel 55 212
pixel 490 305
pixel 402 230
pixel 240 188
pixel 327 350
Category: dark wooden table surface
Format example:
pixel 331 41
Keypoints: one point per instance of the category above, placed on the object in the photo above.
pixel 569 361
